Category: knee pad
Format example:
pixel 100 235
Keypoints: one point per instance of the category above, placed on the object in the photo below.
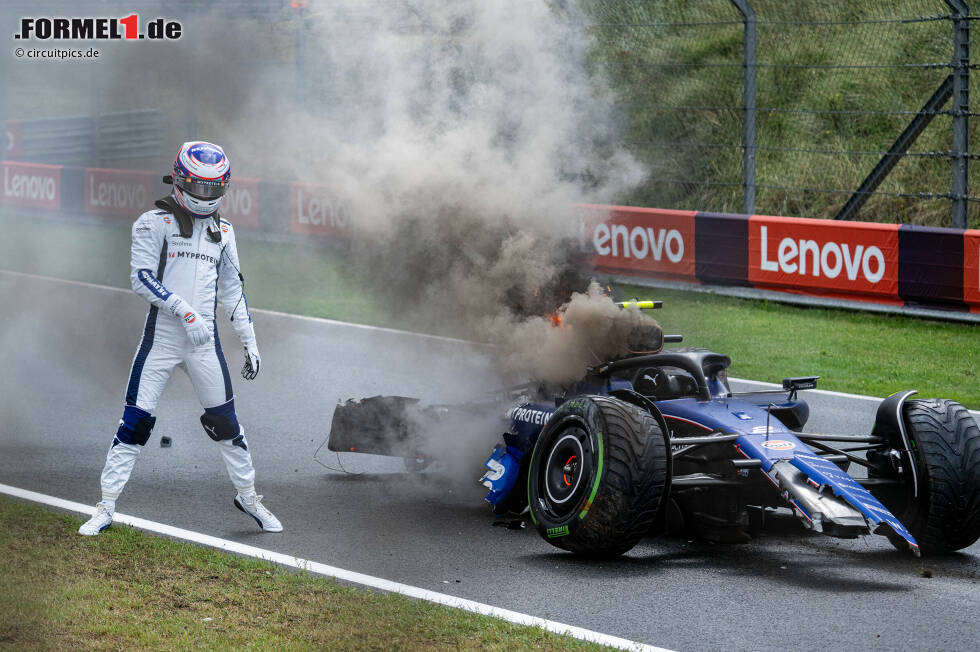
pixel 220 422
pixel 134 427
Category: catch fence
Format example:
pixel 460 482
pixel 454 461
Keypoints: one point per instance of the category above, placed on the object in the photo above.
pixel 87 139
pixel 855 110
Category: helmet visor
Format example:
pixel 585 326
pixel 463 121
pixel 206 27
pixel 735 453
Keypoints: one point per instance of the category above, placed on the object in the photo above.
pixel 201 188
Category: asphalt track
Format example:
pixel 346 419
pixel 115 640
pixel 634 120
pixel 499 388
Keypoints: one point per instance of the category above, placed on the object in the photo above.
pixel 66 350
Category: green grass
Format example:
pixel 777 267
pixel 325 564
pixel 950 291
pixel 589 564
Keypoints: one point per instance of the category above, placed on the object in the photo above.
pixel 277 275
pixel 852 351
pixel 127 590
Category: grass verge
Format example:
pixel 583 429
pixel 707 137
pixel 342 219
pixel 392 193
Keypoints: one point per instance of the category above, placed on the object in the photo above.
pixel 852 351
pixel 128 590
pixel 281 276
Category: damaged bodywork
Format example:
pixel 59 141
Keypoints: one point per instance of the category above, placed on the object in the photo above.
pixel 657 442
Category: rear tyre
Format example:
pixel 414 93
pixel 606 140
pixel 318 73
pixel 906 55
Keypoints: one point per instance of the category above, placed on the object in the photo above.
pixel 598 476
pixel 946 443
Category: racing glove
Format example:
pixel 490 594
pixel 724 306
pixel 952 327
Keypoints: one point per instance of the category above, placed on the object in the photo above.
pixel 197 330
pixel 252 361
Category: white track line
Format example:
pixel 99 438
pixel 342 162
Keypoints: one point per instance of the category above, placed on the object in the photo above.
pixel 321 320
pixel 395 331
pixel 339 573
pixel 827 392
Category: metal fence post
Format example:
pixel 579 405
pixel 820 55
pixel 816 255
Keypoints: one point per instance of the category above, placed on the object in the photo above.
pixel 748 127
pixel 961 108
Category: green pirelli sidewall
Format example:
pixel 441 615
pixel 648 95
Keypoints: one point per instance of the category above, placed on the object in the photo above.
pixel 598 476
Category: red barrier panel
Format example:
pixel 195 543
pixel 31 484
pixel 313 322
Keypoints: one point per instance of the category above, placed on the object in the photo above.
pixel 648 241
pixel 823 257
pixel 125 194
pixel 32 184
pixel 971 269
pixel 15 141
pixel 314 210
pixel 240 205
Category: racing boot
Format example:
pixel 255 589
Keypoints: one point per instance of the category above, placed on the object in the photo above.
pixel 99 521
pixel 252 505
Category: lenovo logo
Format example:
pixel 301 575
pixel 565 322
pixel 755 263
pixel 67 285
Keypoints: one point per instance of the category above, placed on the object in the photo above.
pixel 40 187
pixel 320 211
pixel 827 259
pixel 317 210
pixel 638 242
pixel 644 240
pixel 237 201
pixel 117 195
pixel 32 184
pixel 824 255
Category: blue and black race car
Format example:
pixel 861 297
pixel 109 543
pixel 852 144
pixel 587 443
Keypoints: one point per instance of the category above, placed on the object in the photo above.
pixel 659 442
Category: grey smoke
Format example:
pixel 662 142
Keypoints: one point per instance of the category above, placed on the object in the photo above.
pixel 458 135
pixel 461 135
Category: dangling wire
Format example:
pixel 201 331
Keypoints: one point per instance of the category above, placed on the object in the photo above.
pixel 241 278
pixel 339 463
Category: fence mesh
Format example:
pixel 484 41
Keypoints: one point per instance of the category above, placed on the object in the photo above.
pixel 837 83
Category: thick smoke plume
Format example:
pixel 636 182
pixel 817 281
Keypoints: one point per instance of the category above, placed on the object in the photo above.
pixel 457 136
pixel 589 329
pixel 461 135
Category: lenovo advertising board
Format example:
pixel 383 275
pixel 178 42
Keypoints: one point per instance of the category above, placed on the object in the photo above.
pixel 823 257
pixel 125 194
pixel 971 269
pixel 315 210
pixel 32 184
pixel 240 205
pixel 645 241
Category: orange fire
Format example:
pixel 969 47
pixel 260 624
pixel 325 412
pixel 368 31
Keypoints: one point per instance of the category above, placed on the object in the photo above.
pixel 555 319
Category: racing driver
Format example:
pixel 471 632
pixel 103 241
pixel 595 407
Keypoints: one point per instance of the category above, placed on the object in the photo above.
pixel 185 262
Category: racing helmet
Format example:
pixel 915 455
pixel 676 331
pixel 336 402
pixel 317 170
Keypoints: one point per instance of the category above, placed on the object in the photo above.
pixel 201 177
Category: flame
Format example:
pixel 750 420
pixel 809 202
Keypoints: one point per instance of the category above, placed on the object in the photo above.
pixel 555 319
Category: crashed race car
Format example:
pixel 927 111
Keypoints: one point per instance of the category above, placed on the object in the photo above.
pixel 658 442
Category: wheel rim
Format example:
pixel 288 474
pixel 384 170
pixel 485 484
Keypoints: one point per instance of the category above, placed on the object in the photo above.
pixel 565 472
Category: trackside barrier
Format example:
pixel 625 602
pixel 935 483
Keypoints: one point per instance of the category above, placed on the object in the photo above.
pixel 33 185
pixel 896 265
pixel 842 260
pixel 645 240
pixel 971 269
pixel 891 264
pixel 315 210
pixel 120 194
pixel 250 204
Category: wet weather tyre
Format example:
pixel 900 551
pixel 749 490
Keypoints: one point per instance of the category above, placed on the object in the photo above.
pixel 946 440
pixel 598 476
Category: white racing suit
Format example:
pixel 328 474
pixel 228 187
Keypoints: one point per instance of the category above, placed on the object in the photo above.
pixel 171 271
